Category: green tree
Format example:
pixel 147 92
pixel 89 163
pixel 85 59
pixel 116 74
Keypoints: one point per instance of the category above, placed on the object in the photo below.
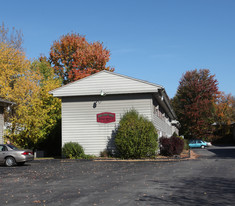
pixel 194 103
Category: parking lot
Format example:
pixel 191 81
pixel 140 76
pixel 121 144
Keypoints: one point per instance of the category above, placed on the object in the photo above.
pixel 208 180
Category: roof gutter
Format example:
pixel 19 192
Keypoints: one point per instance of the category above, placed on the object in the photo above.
pixel 164 101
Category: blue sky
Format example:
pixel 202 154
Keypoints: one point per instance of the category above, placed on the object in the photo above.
pixel 152 40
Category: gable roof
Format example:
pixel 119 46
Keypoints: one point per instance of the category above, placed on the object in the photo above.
pixel 112 83
pixel 108 82
pixel 5 103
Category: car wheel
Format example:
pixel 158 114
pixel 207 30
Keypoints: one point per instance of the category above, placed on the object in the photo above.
pixel 202 146
pixel 10 161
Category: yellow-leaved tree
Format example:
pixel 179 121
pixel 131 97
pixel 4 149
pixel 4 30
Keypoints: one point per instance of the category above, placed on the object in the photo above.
pixel 27 84
pixel 12 66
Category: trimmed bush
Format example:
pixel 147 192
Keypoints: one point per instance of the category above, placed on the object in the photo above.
pixel 136 136
pixel 166 146
pixel 171 146
pixel 73 150
pixel 178 145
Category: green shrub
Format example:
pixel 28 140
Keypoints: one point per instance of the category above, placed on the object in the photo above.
pixel 136 136
pixel 88 157
pixel 171 146
pixel 73 150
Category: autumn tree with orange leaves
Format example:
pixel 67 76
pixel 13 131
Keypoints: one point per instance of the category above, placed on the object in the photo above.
pixel 225 109
pixel 224 115
pixel 74 58
pixel 194 103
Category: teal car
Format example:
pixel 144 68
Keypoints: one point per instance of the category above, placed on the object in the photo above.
pixel 197 144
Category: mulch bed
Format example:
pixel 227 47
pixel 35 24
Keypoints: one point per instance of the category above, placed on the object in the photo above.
pixel 185 155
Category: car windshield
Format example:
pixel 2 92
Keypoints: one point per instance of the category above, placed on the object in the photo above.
pixel 13 147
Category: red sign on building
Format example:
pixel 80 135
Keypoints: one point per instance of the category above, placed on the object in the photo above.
pixel 106 117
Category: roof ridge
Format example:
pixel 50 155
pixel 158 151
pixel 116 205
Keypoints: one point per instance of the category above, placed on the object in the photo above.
pixel 132 78
pixel 113 73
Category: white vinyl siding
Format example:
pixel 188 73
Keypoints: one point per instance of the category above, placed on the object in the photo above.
pixel 79 122
pixel 108 82
pixel 161 123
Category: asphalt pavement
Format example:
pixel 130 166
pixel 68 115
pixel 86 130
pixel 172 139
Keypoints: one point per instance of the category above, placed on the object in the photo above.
pixel 208 180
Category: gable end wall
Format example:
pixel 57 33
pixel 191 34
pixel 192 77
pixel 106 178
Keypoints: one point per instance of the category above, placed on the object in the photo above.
pixel 79 122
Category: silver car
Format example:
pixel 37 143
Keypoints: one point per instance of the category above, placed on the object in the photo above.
pixel 11 155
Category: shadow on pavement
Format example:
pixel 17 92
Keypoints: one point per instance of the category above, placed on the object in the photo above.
pixel 223 152
pixel 195 191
